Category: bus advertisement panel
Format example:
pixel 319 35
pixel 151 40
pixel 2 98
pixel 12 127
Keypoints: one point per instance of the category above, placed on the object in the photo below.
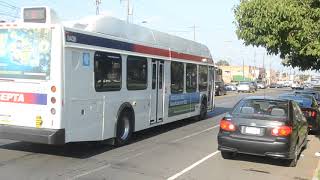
pixel 25 53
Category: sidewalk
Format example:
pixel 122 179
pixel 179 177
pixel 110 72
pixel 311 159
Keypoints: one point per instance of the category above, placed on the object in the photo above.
pixel 316 175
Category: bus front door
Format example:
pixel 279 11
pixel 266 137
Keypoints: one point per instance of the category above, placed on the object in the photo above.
pixel 157 94
pixel 211 92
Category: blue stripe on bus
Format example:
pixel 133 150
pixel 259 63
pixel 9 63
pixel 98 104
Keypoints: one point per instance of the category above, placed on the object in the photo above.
pixel 75 37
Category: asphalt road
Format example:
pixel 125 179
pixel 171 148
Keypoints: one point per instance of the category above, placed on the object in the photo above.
pixel 182 150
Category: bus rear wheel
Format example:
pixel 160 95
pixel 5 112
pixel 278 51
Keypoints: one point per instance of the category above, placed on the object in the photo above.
pixel 124 128
pixel 203 110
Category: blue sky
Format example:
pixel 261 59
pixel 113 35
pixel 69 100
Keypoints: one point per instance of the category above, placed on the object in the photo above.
pixel 213 19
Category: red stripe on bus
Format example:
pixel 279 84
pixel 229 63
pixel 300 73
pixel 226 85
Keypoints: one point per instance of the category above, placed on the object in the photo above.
pixel 166 53
pixel 151 50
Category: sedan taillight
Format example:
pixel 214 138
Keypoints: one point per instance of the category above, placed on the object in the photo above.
pixel 281 131
pixel 227 125
pixel 310 113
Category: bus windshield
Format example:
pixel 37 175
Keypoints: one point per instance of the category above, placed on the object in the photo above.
pixel 25 53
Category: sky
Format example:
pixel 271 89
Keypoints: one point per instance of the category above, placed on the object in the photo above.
pixel 213 19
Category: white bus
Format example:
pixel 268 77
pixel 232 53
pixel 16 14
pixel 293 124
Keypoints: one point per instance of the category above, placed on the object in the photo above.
pixel 96 79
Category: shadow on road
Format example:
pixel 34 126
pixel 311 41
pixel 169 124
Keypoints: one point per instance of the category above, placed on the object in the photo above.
pixel 262 160
pixel 83 150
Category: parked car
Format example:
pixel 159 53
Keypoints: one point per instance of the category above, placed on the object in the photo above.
pixel 297 86
pixel 231 87
pixel 309 107
pixel 245 87
pixel 264 126
pixel 274 85
pixel 261 85
pixel 220 89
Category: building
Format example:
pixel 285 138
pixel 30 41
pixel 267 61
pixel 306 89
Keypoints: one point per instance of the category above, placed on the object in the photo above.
pixel 241 73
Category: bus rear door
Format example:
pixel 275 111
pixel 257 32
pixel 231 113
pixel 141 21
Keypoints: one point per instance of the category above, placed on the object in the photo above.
pixel 157 94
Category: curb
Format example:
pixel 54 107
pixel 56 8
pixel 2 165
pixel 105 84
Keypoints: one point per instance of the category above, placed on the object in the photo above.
pixel 315 174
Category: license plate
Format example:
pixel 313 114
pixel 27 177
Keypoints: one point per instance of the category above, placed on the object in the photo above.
pixel 252 130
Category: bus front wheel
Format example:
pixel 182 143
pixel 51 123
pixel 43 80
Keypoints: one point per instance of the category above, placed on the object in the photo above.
pixel 124 128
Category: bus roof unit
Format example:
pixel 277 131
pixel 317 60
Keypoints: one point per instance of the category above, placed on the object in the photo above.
pixel 137 34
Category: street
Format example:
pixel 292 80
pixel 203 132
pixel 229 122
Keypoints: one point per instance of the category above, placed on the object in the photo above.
pixel 181 150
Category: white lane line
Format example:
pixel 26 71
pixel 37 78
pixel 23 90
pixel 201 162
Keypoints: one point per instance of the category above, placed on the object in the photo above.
pixel 194 134
pixel 139 154
pixel 89 172
pixel 193 166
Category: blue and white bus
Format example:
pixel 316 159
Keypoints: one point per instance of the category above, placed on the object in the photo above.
pixel 96 79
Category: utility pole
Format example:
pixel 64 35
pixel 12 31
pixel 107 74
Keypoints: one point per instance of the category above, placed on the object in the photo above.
pixel 254 65
pixel 194 28
pixel 194 32
pixel 243 69
pixel 98 2
pixel 128 9
pixel 264 70
pixel 270 71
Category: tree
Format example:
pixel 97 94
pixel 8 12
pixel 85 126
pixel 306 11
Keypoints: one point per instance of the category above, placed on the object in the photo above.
pixel 222 63
pixel 289 28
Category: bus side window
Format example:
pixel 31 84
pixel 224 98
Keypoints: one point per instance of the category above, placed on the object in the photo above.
pixel 177 77
pixel 107 71
pixel 191 77
pixel 203 78
pixel 137 73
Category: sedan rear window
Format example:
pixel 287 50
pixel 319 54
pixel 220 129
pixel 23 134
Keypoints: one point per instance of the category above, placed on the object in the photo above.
pixel 262 107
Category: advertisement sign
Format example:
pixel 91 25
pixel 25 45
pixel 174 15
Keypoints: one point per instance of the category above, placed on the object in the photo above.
pixel 183 103
pixel 25 53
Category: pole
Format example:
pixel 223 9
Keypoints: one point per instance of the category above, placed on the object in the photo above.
pixel 254 65
pixel 194 32
pixel 98 2
pixel 128 10
pixel 264 70
pixel 270 71
pixel 243 69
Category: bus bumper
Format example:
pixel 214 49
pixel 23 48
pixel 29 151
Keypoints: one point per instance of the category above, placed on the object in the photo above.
pixel 35 135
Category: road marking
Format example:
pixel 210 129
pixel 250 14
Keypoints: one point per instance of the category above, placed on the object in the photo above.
pixel 193 166
pixel 139 154
pixel 89 172
pixel 195 134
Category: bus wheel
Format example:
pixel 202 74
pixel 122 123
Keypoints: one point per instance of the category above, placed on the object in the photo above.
pixel 124 128
pixel 203 110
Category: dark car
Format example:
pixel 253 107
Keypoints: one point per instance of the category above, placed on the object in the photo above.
pixel 220 89
pixel 264 126
pixel 309 107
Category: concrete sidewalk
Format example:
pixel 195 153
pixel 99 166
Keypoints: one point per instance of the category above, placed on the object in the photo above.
pixel 316 174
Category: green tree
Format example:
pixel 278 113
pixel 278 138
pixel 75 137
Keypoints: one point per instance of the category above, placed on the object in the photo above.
pixel 289 28
pixel 222 63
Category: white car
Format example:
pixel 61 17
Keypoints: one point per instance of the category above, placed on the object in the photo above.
pixel 246 87
pixel 261 86
pixel 297 86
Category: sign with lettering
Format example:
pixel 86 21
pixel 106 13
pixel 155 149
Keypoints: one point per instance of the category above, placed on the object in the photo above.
pixel 23 98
